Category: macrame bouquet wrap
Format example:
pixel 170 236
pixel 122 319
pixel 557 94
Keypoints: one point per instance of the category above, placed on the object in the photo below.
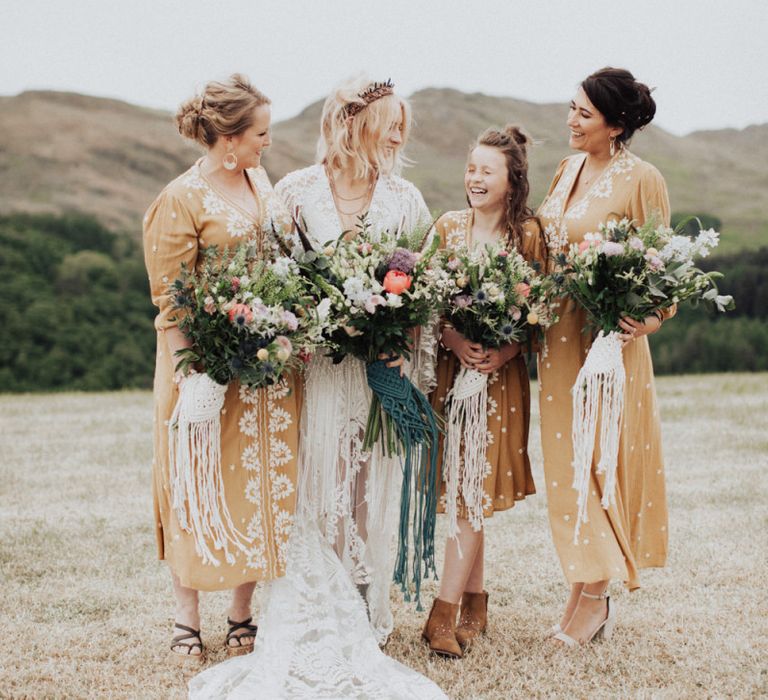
pixel 410 428
pixel 598 400
pixel 624 270
pixel 496 297
pixel 466 423
pixel 381 287
pixel 194 457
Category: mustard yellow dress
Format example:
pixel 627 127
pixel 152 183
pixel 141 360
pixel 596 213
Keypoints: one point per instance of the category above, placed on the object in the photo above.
pixel 508 469
pixel 632 534
pixel 259 428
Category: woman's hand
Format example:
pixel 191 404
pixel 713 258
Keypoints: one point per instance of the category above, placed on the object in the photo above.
pixel 468 354
pixel 495 359
pixel 394 361
pixel 636 329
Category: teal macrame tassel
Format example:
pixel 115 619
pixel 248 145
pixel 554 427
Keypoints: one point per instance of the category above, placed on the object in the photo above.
pixel 410 430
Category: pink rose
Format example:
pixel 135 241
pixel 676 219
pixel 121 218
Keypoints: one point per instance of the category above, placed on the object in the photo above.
pixel 522 289
pixel 235 284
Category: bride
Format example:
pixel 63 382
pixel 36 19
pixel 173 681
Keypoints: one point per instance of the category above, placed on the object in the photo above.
pixel 322 624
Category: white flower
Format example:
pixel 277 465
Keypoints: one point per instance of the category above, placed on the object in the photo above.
pixel 323 309
pixel 394 301
pixel 282 267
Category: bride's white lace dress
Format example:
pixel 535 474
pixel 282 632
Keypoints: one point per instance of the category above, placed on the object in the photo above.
pixel 315 639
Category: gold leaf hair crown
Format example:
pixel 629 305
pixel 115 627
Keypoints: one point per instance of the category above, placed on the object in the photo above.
pixel 372 93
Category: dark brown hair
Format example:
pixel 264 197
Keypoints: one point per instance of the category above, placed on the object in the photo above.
pixel 223 109
pixel 622 100
pixel 513 143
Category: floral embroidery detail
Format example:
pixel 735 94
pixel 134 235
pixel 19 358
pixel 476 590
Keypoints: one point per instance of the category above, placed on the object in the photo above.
pixel 279 420
pixel 249 423
pixel 278 391
pixel 253 490
pixel 556 232
pixel 251 458
pixel 279 452
pixel 282 487
pixel 248 395
pixel 212 203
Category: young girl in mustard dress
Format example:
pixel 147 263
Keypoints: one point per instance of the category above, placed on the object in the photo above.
pixel 496 183
pixel 224 199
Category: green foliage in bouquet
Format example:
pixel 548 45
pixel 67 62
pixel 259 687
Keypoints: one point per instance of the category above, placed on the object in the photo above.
pixel 625 270
pixel 380 288
pixel 248 319
pixel 496 297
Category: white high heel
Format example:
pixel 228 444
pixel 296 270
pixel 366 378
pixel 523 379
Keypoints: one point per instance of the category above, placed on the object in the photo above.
pixel 604 629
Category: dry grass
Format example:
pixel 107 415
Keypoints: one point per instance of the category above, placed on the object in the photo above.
pixel 86 609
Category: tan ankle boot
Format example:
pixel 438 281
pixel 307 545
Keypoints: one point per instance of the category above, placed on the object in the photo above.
pixel 473 619
pixel 440 630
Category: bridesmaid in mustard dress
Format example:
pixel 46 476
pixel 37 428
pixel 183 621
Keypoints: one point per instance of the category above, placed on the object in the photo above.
pixel 604 181
pixel 225 198
pixel 496 183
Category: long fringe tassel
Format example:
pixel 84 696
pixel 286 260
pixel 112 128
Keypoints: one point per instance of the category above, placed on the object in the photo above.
pixel 598 396
pixel 408 415
pixel 194 454
pixel 466 424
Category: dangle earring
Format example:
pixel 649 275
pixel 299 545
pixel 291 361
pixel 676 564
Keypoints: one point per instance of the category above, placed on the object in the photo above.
pixel 612 149
pixel 230 159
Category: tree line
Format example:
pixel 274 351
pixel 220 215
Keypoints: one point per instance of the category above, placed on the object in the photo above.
pixel 75 312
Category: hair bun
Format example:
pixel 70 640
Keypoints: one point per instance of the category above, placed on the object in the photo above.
pixel 517 134
pixel 188 118
pixel 622 100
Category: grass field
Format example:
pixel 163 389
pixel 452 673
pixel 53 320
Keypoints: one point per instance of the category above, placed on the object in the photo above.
pixel 85 610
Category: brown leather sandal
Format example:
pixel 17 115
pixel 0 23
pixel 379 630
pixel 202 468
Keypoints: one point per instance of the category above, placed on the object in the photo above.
pixel 179 641
pixel 240 647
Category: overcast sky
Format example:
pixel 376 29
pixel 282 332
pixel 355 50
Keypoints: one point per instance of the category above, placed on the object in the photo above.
pixel 708 59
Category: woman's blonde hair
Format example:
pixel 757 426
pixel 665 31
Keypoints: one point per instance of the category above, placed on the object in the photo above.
pixel 222 109
pixel 355 141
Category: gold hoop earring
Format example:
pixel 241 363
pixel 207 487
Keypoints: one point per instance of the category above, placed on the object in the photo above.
pixel 612 148
pixel 229 161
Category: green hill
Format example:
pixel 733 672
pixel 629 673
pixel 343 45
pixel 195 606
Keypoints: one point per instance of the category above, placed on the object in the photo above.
pixel 63 152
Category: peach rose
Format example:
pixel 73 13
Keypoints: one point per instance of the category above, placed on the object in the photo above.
pixel 240 314
pixel 523 289
pixel 396 282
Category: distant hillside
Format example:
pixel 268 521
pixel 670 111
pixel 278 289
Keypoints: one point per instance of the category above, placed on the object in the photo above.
pixel 68 152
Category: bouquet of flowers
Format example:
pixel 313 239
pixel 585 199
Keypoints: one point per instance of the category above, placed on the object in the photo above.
pixel 249 320
pixel 496 298
pixel 624 270
pixel 381 288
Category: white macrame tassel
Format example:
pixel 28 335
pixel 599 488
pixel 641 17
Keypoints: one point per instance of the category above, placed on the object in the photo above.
pixel 194 456
pixel 466 424
pixel 598 396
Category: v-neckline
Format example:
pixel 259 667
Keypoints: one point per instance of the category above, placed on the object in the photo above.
pixel 567 204
pixel 255 190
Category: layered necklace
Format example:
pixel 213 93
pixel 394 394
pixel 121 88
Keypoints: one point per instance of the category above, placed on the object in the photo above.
pixel 364 198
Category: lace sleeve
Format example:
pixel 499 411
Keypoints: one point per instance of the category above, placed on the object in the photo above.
pixel 416 215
